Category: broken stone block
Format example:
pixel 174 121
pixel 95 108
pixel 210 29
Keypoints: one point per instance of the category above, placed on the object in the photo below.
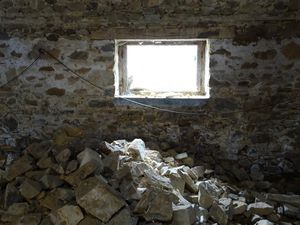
pixel 136 149
pixel 218 214
pixel 37 174
pixel 57 198
pixel 177 182
pixel 19 167
pixel 98 198
pixel 72 166
pixel 68 214
pixel 291 211
pixel 155 179
pixel 155 204
pixel 30 219
pixel 181 156
pixel 11 195
pixel 169 159
pixel 264 222
pixel 72 131
pixel 189 183
pixel 152 155
pixel 80 174
pixel 205 200
pixel 18 209
pixel 38 150
pixel 239 207
pixel 63 156
pixel 201 214
pixel 88 220
pixel 47 221
pixel 226 204
pixel 183 215
pixel 88 156
pixel 29 189
pixel 51 181
pixel 45 163
pixel 260 208
pixel 112 161
pixel 122 217
pixel 281 198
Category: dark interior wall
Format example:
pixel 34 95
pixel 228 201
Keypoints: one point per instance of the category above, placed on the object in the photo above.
pixel 251 118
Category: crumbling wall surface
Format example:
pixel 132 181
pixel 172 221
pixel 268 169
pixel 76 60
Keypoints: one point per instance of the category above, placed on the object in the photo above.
pixel 251 118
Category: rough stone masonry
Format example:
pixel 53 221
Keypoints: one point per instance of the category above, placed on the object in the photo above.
pixel 62 182
pixel 249 126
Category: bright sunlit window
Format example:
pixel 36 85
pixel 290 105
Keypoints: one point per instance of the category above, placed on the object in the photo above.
pixel 161 68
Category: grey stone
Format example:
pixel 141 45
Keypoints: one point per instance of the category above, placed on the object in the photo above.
pixel 122 217
pixel 218 214
pixel 239 207
pixel 155 204
pixel 30 189
pixel 282 198
pixel 51 181
pixel 89 156
pixel 264 222
pixel 98 198
pixel 63 156
pixel 260 208
pixel 19 167
pixel 68 214
pixel 205 200
pixel 136 149
pixel 189 183
pixel 183 215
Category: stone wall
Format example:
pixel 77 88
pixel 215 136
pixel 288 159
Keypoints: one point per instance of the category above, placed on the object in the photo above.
pixel 252 117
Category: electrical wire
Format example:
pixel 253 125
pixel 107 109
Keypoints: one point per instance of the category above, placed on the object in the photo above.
pixel 43 51
pixel 69 69
pixel 23 71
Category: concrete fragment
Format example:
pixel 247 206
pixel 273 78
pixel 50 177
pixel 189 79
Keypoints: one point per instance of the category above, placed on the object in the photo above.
pixel 205 200
pixel 218 214
pixel 260 208
pixel 89 156
pixel 68 215
pixel 29 188
pixel 98 198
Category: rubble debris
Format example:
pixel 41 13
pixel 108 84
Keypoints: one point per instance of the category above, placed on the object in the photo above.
pixel 126 183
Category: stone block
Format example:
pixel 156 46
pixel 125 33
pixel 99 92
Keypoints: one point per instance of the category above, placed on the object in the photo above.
pixel 98 198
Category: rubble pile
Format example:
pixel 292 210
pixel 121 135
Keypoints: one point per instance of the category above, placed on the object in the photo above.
pixel 122 182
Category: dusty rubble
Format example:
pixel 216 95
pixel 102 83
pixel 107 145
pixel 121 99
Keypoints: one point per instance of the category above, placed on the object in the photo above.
pixel 122 182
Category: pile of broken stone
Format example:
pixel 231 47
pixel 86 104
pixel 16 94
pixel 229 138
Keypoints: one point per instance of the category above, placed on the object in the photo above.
pixel 124 183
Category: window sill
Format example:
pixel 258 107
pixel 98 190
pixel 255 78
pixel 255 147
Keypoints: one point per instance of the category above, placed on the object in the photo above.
pixel 155 101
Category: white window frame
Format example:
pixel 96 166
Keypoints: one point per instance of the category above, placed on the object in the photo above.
pixel 120 68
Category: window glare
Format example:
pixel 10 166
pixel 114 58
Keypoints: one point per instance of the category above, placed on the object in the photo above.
pixel 166 68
